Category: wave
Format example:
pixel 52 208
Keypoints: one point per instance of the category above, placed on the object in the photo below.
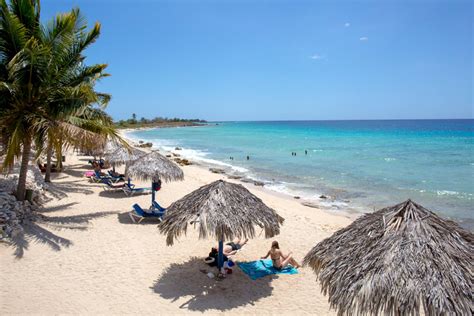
pixel 446 192
pixel 304 192
pixel 196 155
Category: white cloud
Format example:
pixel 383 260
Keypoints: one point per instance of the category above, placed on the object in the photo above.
pixel 347 24
pixel 364 38
pixel 317 56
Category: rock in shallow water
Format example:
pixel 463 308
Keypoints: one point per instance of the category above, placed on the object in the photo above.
pixel 310 204
pixel 217 170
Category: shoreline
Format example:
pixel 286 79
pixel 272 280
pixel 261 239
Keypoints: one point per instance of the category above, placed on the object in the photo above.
pixel 248 182
pixel 336 185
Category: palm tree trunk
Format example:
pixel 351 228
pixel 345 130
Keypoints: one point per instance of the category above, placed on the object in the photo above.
pixel 25 159
pixel 59 154
pixel 47 176
pixel 60 159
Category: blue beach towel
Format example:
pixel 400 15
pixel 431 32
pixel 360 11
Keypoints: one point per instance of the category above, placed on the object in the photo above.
pixel 260 268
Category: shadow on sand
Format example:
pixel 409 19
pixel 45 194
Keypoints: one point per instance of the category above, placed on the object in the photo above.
pixel 75 171
pixel 60 190
pixel 42 230
pixel 210 295
pixel 124 218
pixel 57 207
pixel 119 194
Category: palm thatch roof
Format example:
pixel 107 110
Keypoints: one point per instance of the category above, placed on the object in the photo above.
pixel 122 155
pixel 395 261
pixel 220 209
pixel 155 166
pixel 112 146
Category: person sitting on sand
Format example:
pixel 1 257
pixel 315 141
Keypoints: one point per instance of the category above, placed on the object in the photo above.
pixel 212 259
pixel 279 260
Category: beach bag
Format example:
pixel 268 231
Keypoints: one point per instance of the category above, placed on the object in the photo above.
pixel 157 185
pixel 212 262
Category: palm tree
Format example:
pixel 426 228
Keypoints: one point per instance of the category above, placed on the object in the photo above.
pixel 23 67
pixel 45 89
pixel 69 111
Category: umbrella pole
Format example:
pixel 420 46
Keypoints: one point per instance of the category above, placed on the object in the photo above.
pixel 152 192
pixel 220 255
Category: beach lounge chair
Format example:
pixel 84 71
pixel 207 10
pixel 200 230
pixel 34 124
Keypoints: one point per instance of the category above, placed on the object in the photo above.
pixel 138 214
pixel 130 189
pixel 109 186
pixel 157 207
pixel 118 178
pixel 97 177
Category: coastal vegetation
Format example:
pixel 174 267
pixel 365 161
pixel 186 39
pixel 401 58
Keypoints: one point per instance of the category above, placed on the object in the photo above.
pixel 48 100
pixel 133 122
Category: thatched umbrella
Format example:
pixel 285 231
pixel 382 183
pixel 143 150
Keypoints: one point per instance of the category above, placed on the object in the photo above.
pixel 122 155
pixel 156 167
pixel 395 260
pixel 222 210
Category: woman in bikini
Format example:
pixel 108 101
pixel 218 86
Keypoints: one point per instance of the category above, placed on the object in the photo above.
pixel 279 260
pixel 232 247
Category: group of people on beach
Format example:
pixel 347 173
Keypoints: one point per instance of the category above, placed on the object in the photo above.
pixel 279 259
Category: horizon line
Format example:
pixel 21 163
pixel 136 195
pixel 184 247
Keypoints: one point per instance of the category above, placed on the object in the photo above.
pixel 335 120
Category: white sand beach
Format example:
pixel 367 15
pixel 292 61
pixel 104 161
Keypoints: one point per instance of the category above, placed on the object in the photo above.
pixel 91 259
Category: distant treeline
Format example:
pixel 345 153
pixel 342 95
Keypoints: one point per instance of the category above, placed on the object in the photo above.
pixel 157 121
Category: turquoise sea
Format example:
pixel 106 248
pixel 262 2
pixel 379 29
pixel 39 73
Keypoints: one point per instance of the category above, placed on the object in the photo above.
pixel 360 165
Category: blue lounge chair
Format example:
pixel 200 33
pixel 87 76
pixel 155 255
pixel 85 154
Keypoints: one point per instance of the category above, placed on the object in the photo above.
pixel 138 214
pixel 118 178
pixel 109 186
pixel 97 177
pixel 130 189
pixel 157 207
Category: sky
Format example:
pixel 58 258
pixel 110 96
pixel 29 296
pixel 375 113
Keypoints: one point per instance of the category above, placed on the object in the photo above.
pixel 283 60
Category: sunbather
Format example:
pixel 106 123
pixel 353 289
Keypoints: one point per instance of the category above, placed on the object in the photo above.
pixel 98 169
pixel 280 260
pixel 232 247
pixel 115 174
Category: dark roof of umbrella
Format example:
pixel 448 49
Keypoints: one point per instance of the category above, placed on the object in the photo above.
pixel 395 261
pixel 220 209
pixel 155 166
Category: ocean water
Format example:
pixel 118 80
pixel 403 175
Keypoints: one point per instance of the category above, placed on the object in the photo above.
pixel 359 165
